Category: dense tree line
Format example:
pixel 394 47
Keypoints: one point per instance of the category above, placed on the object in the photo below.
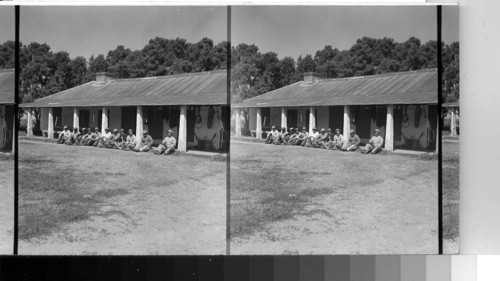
pixel 44 72
pixel 255 73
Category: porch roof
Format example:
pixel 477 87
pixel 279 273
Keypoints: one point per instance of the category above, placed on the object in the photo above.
pixel 7 83
pixel 412 87
pixel 201 88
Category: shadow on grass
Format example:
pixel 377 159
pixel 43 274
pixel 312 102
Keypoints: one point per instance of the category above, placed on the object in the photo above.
pixel 51 196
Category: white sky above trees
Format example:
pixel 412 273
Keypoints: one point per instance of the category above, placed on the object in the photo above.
pixel 86 31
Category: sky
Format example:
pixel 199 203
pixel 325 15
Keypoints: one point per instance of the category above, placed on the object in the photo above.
pixel 7 24
pixel 294 31
pixel 86 31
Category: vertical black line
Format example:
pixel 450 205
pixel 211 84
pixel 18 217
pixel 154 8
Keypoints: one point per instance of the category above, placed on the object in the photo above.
pixel 440 126
pixel 228 161
pixel 16 122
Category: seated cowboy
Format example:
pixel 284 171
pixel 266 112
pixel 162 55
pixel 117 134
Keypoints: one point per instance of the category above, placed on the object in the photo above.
pixel 375 145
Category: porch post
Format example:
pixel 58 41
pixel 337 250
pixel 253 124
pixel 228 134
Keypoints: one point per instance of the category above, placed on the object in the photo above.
pixel 29 125
pixel 452 123
pixel 138 124
pixel 389 129
pixel 258 130
pixel 182 138
pixel 312 119
pixel 76 118
pixel 284 120
pixel 50 129
pixel 104 121
pixel 347 121
pixel 237 122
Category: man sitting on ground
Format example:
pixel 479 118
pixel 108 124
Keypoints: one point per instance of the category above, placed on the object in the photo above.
pixel 114 140
pixel 272 135
pixel 79 136
pixel 64 135
pixel 301 138
pixel 129 143
pixel 281 136
pixel 101 142
pixel 323 139
pixel 167 146
pixel 146 142
pixel 336 142
pixel 375 144
pixel 94 137
pixel 86 137
pixel 312 138
pixel 292 136
pixel 72 137
pixel 351 143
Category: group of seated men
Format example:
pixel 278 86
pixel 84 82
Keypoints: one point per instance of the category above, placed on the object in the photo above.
pixel 324 139
pixel 116 140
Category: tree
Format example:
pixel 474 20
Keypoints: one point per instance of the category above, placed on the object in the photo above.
pixel 451 73
pixel 7 55
pixel 96 65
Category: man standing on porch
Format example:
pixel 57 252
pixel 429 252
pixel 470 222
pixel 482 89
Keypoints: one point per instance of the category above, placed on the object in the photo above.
pixel 352 141
pixel 375 144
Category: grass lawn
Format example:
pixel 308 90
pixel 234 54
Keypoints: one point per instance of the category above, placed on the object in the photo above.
pixel 86 200
pixel 6 204
pixel 295 200
pixel 451 196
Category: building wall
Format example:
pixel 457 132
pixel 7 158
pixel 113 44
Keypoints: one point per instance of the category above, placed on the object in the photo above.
pixel 322 121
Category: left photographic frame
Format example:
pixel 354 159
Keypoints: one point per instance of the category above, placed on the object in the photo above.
pixel 7 130
pixel 122 140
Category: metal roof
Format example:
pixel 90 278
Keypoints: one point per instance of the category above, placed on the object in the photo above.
pixel 202 88
pixel 452 104
pixel 7 84
pixel 413 87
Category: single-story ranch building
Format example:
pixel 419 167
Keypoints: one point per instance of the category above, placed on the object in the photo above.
pixel 193 105
pixel 7 101
pixel 403 106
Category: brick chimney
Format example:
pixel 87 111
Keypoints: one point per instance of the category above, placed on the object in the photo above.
pixel 102 77
pixel 310 77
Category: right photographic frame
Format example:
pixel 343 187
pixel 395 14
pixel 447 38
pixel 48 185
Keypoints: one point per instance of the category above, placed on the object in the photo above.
pixel 344 130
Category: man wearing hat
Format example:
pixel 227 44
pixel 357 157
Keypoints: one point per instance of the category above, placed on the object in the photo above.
pixel 64 135
pixel 130 142
pixel 272 136
pixel 322 140
pixel 312 138
pixel 351 142
pixel 375 144
pixel 281 136
pixel 336 141
pixel 114 140
pixel 301 138
pixel 167 146
pixel 146 142
pixel 94 137
pixel 86 137
pixel 292 134
pixel 80 135
pixel 72 137
pixel 104 138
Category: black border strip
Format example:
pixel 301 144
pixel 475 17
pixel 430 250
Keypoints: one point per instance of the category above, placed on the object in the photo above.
pixel 228 161
pixel 440 126
pixel 16 122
